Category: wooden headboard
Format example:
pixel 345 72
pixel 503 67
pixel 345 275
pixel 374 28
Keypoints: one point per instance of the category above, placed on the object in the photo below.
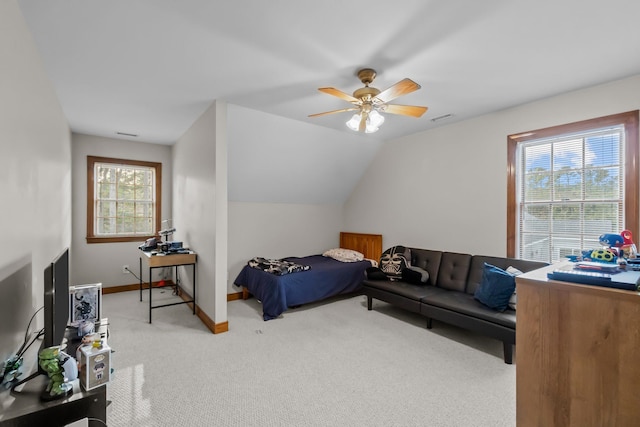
pixel 370 245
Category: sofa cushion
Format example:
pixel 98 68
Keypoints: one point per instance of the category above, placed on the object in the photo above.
pixel 496 288
pixel 394 260
pixel 464 303
pixel 415 275
pixel 453 271
pixel 374 273
pixel 428 260
pixel 407 290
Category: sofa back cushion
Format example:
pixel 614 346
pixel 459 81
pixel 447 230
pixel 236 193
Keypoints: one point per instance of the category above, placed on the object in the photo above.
pixel 477 268
pixel 427 260
pixel 453 272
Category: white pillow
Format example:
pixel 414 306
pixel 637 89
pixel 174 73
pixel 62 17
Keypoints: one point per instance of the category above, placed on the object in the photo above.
pixel 514 298
pixel 344 255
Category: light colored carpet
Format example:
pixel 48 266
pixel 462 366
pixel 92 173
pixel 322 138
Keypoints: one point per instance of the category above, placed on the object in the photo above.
pixel 330 364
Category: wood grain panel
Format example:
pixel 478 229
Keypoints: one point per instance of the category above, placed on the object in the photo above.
pixel 168 260
pixel 370 245
pixel 578 350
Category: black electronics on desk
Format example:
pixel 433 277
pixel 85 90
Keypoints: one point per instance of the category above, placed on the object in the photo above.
pixel 598 274
pixel 56 314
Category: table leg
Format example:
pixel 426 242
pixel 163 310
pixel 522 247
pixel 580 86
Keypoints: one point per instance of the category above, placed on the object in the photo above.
pixel 194 287
pixel 150 292
pixel 177 284
pixel 140 275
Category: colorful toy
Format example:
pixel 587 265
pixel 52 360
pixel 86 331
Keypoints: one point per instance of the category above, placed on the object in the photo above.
pixel 615 248
pixel 59 366
pixel 611 240
pixel 603 255
pixel 628 248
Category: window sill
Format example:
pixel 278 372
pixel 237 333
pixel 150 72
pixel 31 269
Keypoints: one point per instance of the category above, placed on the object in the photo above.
pixel 118 239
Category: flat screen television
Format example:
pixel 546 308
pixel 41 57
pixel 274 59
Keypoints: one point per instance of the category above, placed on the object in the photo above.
pixel 56 300
pixel 56 310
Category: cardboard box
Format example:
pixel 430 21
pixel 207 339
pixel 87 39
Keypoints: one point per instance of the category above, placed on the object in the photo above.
pixel 95 365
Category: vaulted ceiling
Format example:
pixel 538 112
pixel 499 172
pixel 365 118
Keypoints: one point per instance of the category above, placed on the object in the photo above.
pixel 151 67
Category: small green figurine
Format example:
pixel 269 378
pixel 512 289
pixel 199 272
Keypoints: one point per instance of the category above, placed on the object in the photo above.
pixel 51 360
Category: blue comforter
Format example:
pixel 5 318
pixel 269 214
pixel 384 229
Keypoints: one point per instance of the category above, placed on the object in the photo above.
pixel 327 277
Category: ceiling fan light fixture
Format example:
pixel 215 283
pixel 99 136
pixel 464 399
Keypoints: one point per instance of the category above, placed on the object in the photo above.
pixel 374 120
pixel 354 123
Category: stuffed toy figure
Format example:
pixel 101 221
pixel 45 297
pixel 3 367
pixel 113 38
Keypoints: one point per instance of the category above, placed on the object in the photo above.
pixel 61 369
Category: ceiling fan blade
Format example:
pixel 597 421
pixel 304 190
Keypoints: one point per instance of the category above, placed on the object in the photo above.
pixel 340 94
pixel 403 87
pixel 405 110
pixel 333 112
pixel 363 122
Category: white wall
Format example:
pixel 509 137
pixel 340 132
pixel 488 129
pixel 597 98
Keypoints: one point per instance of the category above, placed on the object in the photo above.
pixel 35 178
pixel 273 159
pixel 199 185
pixel 447 188
pixel 274 230
pixel 102 262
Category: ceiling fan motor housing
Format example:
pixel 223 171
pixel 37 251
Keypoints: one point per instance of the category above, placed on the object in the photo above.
pixel 366 93
pixel 366 75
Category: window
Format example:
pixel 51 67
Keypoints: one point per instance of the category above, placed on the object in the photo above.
pixel 123 199
pixel 569 184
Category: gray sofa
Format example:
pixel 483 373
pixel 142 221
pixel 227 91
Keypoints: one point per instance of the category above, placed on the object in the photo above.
pixel 448 296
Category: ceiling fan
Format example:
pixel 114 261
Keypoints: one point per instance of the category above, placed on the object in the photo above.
pixel 369 102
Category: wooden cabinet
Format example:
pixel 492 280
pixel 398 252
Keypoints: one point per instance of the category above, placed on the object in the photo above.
pixel 578 354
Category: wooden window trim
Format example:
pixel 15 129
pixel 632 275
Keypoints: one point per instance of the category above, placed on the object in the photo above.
pixel 632 176
pixel 91 161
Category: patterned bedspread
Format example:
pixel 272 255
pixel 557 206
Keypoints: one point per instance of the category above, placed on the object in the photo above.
pixel 276 266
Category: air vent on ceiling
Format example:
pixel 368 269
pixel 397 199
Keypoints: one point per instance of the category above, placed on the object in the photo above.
pixel 126 134
pixel 437 119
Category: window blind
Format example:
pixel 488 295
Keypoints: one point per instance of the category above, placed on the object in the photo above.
pixel 570 190
pixel 124 200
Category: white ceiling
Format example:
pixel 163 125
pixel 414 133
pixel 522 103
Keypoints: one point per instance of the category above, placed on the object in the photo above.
pixel 151 67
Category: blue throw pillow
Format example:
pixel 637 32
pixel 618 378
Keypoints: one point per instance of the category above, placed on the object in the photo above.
pixel 496 287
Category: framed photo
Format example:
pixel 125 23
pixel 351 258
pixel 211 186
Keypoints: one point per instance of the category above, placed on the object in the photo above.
pixel 85 303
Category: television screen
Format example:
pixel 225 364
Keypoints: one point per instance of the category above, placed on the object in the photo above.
pixel 56 300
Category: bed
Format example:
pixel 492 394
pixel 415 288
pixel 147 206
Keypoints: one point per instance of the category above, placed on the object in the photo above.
pixel 325 278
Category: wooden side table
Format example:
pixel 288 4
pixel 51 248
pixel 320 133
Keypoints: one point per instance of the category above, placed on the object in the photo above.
pixel 153 260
